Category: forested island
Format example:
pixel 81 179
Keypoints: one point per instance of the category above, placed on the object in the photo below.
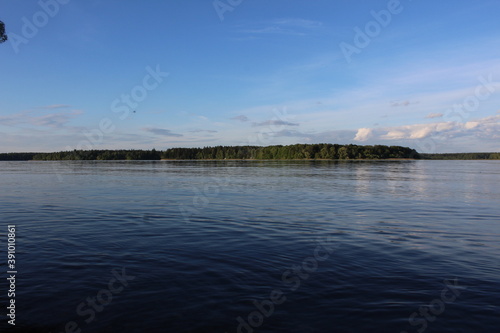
pixel 280 152
pixel 321 151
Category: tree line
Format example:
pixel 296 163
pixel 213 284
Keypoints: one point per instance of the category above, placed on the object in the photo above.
pixel 79 155
pixel 16 156
pixel 297 151
pixel 462 156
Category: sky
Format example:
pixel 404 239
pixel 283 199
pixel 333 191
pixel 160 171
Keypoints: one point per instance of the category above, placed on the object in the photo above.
pixel 130 74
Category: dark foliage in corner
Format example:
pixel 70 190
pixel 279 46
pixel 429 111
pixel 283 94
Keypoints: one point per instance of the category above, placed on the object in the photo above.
pixel 3 36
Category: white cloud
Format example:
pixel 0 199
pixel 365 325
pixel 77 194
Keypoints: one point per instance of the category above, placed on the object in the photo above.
pixel 471 124
pixel 488 128
pixel 393 135
pixel 363 134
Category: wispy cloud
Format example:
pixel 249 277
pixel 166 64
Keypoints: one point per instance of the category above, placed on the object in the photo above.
pixel 434 115
pixel 161 131
pixel 13 119
pixel 339 136
pixel 298 22
pixel 241 118
pixel 282 26
pixel 58 119
pixel 402 103
pixel 275 123
pixel 202 131
pixel 291 133
pixel 54 106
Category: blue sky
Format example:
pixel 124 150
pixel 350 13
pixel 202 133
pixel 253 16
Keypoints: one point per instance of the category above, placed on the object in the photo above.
pixel 423 74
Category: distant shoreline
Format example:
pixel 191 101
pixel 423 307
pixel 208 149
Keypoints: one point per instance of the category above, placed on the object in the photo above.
pixel 294 159
pixel 435 158
pixel 296 152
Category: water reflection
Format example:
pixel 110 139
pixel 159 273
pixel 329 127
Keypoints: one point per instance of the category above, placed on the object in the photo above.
pixel 401 226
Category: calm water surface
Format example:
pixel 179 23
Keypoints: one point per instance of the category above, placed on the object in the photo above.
pixel 240 246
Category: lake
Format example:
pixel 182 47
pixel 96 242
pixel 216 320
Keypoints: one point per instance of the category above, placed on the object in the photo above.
pixel 252 246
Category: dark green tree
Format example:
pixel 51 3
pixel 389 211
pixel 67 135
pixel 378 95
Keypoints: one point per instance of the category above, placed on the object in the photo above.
pixel 3 36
